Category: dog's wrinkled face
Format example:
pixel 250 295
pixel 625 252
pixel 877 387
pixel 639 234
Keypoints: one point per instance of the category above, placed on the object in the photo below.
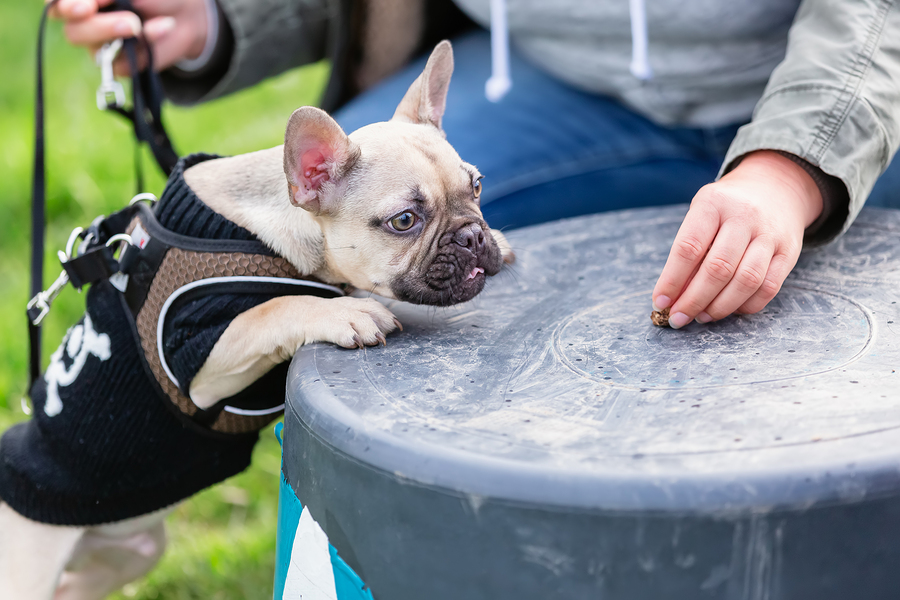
pixel 399 208
pixel 411 207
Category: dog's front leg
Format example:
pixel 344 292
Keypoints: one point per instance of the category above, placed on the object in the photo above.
pixel 272 332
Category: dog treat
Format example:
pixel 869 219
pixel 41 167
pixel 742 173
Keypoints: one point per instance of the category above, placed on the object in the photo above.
pixel 660 318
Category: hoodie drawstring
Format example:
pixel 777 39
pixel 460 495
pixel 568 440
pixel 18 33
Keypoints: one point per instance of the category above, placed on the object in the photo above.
pixel 500 82
pixel 640 62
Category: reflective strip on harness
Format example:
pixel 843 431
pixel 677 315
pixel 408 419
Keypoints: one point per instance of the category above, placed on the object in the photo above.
pixel 219 281
pixel 180 266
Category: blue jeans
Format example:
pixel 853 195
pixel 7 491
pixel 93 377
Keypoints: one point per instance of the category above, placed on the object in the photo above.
pixel 549 151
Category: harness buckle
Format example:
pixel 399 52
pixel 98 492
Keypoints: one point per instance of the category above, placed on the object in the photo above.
pixel 110 93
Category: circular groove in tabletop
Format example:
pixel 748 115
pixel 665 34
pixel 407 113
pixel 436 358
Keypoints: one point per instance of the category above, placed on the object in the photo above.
pixel 475 396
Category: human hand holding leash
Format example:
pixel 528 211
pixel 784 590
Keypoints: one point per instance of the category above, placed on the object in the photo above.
pixel 739 240
pixel 176 29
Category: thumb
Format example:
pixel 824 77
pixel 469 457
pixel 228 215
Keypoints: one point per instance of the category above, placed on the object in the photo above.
pixel 157 28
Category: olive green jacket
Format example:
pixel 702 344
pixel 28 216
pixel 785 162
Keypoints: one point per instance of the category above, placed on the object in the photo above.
pixel 835 98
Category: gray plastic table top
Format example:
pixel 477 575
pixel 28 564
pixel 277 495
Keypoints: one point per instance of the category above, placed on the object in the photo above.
pixel 553 387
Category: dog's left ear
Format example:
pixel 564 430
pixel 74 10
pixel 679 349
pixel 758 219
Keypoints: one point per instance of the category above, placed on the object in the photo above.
pixel 317 154
pixel 427 96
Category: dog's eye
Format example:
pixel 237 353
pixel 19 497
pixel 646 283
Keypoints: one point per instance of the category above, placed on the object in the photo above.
pixel 403 221
pixel 476 188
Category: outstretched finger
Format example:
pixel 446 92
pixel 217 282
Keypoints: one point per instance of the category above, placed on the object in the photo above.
pixel 102 28
pixel 716 272
pixel 748 278
pixel 694 238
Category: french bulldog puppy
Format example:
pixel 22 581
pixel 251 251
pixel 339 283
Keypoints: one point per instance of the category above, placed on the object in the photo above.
pixel 389 209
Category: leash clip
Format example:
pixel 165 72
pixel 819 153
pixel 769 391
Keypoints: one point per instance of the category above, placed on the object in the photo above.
pixel 110 93
pixel 39 306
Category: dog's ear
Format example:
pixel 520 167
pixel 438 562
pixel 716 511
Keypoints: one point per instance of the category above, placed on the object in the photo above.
pixel 427 96
pixel 317 153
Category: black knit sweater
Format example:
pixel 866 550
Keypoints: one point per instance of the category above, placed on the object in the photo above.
pixel 105 447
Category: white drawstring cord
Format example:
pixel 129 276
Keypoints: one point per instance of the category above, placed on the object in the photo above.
pixel 500 82
pixel 640 62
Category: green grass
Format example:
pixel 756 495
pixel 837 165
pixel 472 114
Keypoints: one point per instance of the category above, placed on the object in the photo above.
pixel 222 541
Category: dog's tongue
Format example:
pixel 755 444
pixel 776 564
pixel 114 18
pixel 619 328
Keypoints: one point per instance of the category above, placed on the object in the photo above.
pixel 474 273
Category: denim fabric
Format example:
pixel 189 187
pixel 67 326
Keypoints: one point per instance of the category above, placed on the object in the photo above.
pixel 549 151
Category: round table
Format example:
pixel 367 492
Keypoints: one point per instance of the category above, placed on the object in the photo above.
pixel 546 440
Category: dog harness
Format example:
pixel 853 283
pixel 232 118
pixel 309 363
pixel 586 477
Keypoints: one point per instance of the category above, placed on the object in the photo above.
pixel 115 433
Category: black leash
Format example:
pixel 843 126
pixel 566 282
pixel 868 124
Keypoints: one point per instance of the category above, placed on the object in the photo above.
pixel 38 194
pixel 96 257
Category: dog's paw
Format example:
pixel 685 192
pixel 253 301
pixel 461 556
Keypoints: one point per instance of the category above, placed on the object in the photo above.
pixel 506 251
pixel 357 322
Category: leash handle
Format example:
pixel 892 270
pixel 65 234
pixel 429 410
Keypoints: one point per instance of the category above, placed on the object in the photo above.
pixel 147 97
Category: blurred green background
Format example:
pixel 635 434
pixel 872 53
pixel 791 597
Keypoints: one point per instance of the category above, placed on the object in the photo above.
pixel 222 541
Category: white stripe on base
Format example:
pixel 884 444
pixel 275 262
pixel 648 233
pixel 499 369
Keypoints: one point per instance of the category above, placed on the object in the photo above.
pixel 310 575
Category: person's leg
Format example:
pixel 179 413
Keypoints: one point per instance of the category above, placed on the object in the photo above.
pixel 886 193
pixel 549 151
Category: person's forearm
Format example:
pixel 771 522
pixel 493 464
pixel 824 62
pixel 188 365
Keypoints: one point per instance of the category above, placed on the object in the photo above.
pixel 781 169
pixel 260 39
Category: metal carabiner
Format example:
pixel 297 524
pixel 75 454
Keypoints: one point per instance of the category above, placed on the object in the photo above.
pixel 43 300
pixel 143 197
pixel 120 237
pixel 70 245
pixel 110 93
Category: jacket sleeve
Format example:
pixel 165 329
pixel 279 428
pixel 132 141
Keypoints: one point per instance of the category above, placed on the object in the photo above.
pixel 834 101
pixel 257 39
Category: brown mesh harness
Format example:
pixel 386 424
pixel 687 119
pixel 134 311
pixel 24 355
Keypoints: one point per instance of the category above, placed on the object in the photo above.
pixel 158 270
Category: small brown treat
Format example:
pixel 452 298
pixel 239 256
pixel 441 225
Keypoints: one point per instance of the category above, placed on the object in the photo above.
pixel 660 318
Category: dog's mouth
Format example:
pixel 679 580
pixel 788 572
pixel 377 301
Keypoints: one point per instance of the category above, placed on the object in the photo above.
pixel 475 273
pixel 457 272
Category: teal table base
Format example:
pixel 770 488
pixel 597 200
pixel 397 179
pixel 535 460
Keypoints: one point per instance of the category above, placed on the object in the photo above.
pixel 348 585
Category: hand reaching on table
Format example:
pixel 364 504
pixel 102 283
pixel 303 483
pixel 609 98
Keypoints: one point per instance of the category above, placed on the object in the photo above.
pixel 739 240
pixel 175 29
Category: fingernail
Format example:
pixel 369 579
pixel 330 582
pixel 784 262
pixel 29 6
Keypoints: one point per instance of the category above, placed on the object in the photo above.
pixel 79 9
pixel 129 26
pixel 703 318
pixel 678 320
pixel 159 27
pixel 662 302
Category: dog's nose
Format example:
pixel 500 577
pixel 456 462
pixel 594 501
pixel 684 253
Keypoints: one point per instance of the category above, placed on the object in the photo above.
pixel 470 237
